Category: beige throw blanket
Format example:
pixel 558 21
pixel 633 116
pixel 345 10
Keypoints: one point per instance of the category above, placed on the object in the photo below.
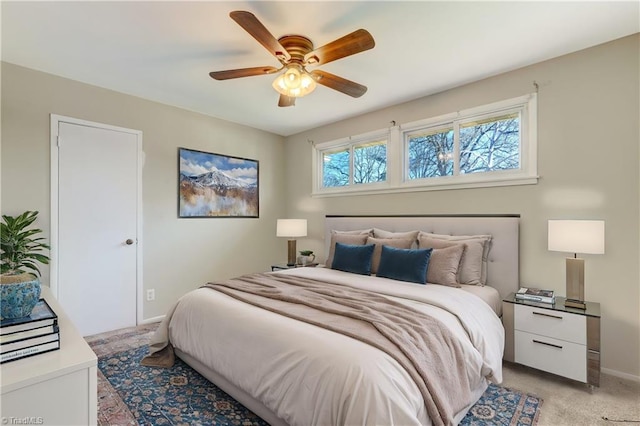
pixel 418 342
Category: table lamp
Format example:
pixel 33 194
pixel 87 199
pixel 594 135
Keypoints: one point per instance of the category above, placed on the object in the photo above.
pixel 291 228
pixel 576 236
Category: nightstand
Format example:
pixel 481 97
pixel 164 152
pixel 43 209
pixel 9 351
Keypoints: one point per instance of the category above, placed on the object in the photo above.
pixel 553 338
pixel 282 266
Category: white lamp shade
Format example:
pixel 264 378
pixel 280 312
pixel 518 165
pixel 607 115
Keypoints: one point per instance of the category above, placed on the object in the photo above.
pixel 291 228
pixel 577 236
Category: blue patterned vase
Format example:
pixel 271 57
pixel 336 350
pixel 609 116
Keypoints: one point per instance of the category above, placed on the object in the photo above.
pixel 17 299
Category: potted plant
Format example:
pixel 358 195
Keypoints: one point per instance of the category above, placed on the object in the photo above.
pixel 306 257
pixel 19 272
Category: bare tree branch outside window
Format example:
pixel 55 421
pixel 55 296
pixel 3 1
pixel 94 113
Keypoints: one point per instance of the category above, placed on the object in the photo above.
pixel 370 163
pixel 335 170
pixel 485 146
pixel 490 145
pixel 431 155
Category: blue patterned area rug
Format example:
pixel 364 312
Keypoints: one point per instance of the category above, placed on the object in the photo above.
pixel 180 395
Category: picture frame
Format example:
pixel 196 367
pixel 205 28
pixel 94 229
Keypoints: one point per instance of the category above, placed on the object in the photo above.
pixel 217 185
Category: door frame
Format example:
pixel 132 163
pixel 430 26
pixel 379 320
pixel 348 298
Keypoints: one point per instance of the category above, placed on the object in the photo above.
pixel 53 252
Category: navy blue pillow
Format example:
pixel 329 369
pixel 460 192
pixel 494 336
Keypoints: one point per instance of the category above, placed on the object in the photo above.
pixel 353 258
pixel 404 264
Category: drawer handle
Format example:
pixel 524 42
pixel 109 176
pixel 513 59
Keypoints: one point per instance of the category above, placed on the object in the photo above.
pixel 548 344
pixel 546 315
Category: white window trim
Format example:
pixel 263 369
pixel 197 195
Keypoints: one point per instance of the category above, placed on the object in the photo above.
pixel 397 157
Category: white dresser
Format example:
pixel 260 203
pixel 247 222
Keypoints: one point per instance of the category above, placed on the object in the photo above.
pixel 554 338
pixel 54 388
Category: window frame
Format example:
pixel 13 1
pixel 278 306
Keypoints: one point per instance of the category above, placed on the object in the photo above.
pixel 351 143
pixel 398 155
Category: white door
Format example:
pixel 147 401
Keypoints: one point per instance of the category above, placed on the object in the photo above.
pixel 97 222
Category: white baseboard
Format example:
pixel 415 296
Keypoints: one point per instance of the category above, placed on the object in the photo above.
pixel 152 320
pixel 620 374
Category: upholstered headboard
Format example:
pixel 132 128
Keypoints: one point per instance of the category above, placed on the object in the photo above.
pixel 503 271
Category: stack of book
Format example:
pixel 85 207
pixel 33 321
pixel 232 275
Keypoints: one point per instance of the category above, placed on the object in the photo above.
pixel 536 295
pixel 32 335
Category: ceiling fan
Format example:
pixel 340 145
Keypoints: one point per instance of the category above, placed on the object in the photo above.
pixel 295 53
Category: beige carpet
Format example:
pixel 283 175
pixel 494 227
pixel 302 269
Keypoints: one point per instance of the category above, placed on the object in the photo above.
pixel 565 402
pixel 571 403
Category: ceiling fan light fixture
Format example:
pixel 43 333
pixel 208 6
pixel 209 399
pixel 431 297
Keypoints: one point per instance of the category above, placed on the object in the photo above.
pixel 295 82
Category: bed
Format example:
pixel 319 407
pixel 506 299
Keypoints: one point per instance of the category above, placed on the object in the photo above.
pixel 300 369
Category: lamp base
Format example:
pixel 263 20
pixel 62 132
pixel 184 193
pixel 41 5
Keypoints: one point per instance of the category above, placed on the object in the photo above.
pixel 574 303
pixel 575 279
pixel 291 253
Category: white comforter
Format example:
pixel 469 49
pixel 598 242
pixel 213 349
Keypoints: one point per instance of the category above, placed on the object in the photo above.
pixel 308 375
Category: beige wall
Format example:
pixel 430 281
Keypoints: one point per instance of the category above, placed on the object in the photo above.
pixel 588 150
pixel 179 254
pixel 588 154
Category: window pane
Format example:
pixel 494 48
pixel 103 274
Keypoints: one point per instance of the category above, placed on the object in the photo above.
pixel 370 162
pixel 492 144
pixel 335 168
pixel 430 154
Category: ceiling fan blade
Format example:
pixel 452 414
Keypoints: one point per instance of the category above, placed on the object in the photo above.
pixel 250 23
pixel 242 72
pixel 340 84
pixel 286 101
pixel 356 42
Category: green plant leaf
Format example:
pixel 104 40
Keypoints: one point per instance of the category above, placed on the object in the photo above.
pixel 21 247
pixel 31 266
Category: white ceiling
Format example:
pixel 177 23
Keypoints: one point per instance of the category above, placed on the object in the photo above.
pixel 164 51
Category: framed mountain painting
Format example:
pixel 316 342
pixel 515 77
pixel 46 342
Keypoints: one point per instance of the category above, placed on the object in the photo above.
pixel 216 185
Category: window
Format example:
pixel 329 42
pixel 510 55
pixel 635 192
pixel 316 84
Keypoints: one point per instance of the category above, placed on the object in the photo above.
pixel 490 145
pixel 335 171
pixel 355 163
pixel 430 153
pixel 370 162
pixel 485 144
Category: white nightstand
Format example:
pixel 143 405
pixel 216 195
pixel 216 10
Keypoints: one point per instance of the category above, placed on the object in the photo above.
pixel 53 388
pixel 554 338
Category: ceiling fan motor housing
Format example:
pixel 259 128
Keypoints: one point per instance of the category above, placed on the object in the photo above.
pixel 297 46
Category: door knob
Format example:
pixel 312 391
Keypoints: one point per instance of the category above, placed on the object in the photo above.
pixel 129 241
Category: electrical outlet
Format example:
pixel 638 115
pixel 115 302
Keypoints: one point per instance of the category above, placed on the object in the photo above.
pixel 151 295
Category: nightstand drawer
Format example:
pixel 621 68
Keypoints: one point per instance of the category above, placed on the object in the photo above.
pixel 555 356
pixel 555 324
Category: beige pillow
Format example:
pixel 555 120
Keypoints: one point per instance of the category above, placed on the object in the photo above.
pixel 470 269
pixel 381 233
pixel 344 238
pixel 473 266
pixel 377 251
pixel 355 232
pixel 443 265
